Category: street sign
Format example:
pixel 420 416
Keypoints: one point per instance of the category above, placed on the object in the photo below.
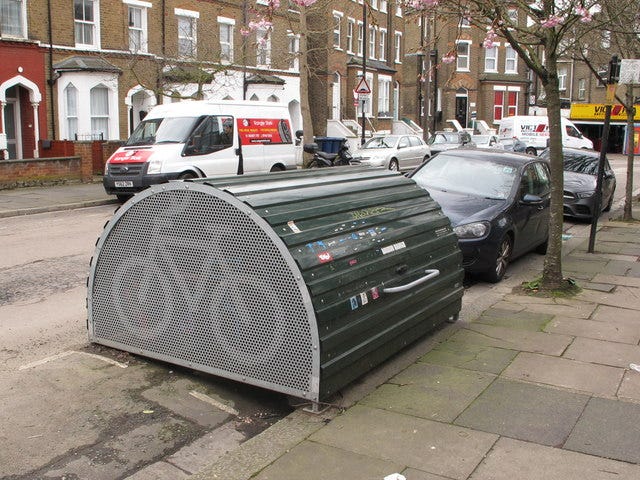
pixel 629 71
pixel 363 86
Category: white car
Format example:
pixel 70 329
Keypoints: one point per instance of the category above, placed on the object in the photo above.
pixel 487 141
pixel 395 152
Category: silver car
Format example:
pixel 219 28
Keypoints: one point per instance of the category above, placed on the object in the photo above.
pixel 395 152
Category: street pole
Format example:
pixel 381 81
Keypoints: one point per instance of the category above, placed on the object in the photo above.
pixel 613 64
pixel 364 62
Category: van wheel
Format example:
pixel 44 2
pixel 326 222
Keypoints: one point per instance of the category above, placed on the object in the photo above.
pixel 531 151
pixel 277 168
pixel 187 176
pixel 123 198
pixel 393 165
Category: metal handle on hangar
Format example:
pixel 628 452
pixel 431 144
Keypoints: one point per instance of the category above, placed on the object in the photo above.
pixel 298 282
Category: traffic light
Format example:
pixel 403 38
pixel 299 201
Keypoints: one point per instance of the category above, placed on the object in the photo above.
pixel 614 70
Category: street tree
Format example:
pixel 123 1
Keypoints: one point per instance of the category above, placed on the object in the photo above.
pixel 540 38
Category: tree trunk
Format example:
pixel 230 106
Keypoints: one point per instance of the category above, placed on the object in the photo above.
pixel 552 270
pixel 628 193
pixel 305 110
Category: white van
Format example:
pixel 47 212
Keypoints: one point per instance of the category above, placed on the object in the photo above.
pixel 202 139
pixel 533 132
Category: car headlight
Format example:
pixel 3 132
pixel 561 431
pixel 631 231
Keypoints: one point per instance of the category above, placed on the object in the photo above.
pixel 585 194
pixel 472 230
pixel 154 166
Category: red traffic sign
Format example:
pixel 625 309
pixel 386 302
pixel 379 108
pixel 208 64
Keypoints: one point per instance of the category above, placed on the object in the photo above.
pixel 363 86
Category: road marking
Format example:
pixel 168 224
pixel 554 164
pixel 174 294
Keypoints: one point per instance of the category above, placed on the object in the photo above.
pixel 58 356
pixel 215 403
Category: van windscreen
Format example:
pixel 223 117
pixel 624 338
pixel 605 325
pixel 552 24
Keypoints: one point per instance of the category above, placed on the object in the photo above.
pixel 162 130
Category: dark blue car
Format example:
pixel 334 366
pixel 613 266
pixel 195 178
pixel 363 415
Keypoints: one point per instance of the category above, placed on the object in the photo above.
pixel 497 201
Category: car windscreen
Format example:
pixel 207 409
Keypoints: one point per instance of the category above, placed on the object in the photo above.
pixel 473 176
pixel 443 138
pixel 380 142
pixel 580 163
pixel 162 130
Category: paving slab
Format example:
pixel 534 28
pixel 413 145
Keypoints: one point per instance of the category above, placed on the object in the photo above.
pixel 525 411
pixel 600 287
pixel 514 459
pixel 602 352
pixel 429 391
pixel 159 471
pixel 523 320
pixel 622 295
pixel 617 315
pixel 433 447
pixel 608 428
pixel 571 264
pixel 576 308
pixel 630 386
pixel 521 340
pixel 315 461
pixel 617 280
pixel 565 373
pixel 580 327
pixel 413 474
pixel 470 357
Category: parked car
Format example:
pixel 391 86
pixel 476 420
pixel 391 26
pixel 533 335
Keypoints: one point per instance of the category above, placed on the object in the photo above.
pixel 487 141
pixel 497 201
pixel 580 176
pixel 441 141
pixel 395 152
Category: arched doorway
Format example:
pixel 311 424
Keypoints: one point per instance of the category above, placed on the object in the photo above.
pixel 462 106
pixel 139 101
pixel 20 121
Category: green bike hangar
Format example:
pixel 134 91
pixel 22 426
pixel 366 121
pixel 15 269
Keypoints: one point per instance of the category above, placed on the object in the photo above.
pixel 298 282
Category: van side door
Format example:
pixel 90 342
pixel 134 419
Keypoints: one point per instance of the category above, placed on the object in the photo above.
pixel 210 148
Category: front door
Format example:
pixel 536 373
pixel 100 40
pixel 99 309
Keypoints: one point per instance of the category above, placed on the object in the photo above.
pixel 12 126
pixel 461 111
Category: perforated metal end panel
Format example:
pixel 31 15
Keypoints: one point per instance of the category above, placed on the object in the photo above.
pixel 189 274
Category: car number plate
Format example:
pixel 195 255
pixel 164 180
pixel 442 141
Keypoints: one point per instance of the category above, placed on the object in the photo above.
pixel 124 184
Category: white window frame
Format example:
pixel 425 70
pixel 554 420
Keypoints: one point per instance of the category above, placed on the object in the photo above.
pixel 193 17
pixel 510 90
pixel 351 29
pixel 95 25
pixel 360 38
pixel 463 62
pixel 582 89
pixel 562 78
pixel 373 4
pixel 100 116
pixel 384 93
pixel 83 82
pixel 383 6
pixel 513 60
pixel 513 15
pixel 337 29
pixel 398 10
pixel 503 89
pixel 294 49
pixel 263 52
pixel 605 39
pixel 495 57
pixel 382 44
pixel 229 24
pixel 144 27
pixel 71 116
pixel 372 42
pixel 397 46
pixel 21 22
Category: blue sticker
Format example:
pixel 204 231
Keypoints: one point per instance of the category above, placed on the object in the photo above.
pixel 354 303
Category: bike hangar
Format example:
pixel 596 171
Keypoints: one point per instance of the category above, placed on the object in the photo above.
pixel 297 282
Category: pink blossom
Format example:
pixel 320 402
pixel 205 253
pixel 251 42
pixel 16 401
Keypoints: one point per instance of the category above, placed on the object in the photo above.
pixel 449 58
pixel 262 24
pixel 304 3
pixel 552 21
pixel 274 4
pixel 422 4
pixel 489 39
pixel 584 13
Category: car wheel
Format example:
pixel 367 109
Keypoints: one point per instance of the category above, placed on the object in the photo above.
pixel 531 151
pixel 187 176
pixel 426 157
pixel 542 248
pixel 609 204
pixel 501 261
pixel 123 198
pixel 393 165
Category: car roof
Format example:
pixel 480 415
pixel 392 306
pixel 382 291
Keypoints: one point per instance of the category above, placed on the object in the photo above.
pixel 501 156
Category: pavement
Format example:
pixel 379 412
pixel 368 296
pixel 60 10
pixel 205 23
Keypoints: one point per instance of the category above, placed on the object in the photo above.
pixel 521 387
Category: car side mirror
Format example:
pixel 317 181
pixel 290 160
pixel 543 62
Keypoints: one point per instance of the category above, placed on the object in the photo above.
pixel 531 199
